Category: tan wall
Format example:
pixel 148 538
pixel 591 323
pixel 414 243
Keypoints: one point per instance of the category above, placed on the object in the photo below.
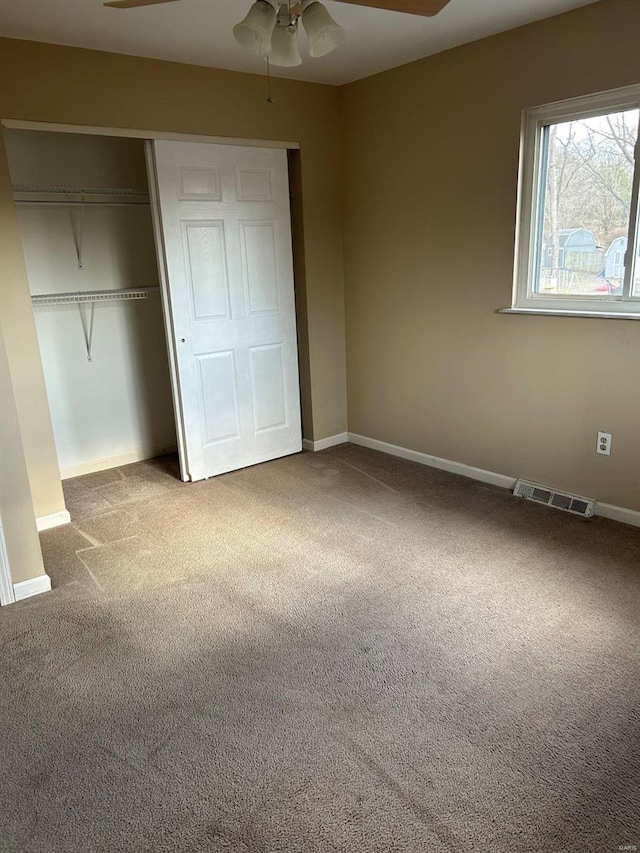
pixel 24 359
pixel 430 157
pixel 67 85
pixel 16 509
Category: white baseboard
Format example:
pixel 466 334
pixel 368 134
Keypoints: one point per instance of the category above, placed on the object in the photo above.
pixel 115 461
pixel 324 443
pixel 34 586
pixel 435 461
pixel 46 522
pixel 616 513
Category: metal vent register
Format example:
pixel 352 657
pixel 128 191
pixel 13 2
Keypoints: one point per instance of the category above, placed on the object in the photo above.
pixel 560 500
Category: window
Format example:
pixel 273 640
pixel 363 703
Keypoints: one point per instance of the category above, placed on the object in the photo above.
pixel 579 228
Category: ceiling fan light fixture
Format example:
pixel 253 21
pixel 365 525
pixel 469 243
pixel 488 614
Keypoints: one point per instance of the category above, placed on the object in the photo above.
pixel 284 46
pixel 254 33
pixel 324 33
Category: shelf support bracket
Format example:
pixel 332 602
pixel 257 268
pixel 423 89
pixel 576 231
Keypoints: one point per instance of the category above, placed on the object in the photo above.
pixel 79 237
pixel 87 327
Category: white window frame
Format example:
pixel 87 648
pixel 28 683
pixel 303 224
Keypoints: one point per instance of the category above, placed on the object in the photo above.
pixel 529 213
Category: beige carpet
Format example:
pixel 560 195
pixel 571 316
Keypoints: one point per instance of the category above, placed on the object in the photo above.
pixel 332 653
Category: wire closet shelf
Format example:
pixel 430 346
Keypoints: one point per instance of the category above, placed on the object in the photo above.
pixel 80 296
pixel 83 196
pixel 78 195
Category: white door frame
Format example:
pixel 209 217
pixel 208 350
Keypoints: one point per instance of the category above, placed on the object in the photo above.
pixel 134 133
pixel 149 136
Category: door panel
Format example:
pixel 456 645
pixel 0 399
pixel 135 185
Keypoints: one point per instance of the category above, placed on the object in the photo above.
pixel 268 387
pixel 259 266
pixel 205 251
pixel 225 223
pixel 219 397
pixel 254 184
pixel 199 184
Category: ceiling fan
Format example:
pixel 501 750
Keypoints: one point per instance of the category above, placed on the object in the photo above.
pixel 411 7
pixel 270 28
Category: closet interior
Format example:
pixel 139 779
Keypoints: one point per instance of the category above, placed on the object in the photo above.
pixel 87 232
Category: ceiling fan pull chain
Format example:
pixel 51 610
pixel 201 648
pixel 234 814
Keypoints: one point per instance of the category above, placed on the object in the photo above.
pixel 269 98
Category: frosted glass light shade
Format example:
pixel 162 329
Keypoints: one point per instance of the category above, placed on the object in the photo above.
pixel 324 34
pixel 254 32
pixel 284 47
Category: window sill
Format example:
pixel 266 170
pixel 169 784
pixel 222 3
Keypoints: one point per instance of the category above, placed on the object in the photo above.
pixel 560 312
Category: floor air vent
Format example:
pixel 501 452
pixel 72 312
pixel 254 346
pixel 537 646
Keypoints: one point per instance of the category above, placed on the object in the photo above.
pixel 560 500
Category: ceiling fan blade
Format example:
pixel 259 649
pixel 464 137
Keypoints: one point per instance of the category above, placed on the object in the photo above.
pixel 131 4
pixel 427 8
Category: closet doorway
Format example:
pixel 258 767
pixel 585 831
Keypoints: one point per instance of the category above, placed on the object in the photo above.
pixel 162 287
pixel 87 234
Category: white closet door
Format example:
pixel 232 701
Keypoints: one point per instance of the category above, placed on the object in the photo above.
pixel 226 229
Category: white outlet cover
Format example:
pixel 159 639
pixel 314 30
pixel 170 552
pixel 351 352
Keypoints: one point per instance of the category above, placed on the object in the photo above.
pixel 604 443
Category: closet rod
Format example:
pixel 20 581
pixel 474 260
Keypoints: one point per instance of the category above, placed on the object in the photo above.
pixel 94 296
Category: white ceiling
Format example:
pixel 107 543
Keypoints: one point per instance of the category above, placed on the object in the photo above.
pixel 199 31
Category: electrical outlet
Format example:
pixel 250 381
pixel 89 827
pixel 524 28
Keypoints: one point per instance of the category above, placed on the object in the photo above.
pixel 604 443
